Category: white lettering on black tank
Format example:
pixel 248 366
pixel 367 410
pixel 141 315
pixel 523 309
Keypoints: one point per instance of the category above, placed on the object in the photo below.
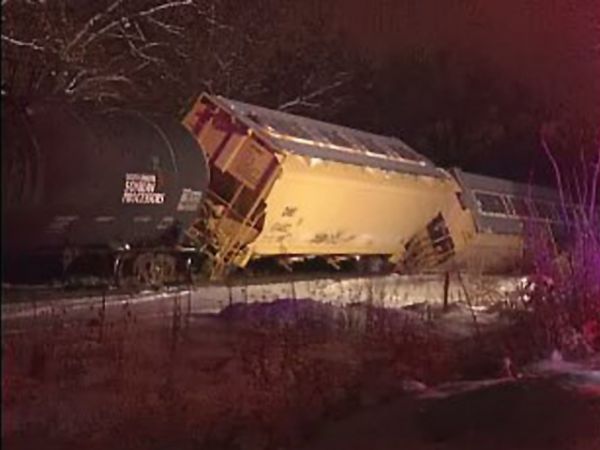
pixel 190 200
pixel 139 189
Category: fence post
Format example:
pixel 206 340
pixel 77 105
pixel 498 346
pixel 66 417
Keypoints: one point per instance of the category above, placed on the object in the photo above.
pixel 469 303
pixel 102 315
pixel 446 290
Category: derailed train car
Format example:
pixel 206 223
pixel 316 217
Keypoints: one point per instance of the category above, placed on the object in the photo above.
pixel 133 191
pixel 292 188
pixel 113 186
pixel 489 227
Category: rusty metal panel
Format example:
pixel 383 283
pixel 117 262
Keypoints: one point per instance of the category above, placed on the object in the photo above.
pixel 211 139
pixel 228 150
pixel 250 163
pixel 199 116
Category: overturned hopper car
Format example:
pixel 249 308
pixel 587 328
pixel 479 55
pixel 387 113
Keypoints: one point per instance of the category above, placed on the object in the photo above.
pixel 293 188
pixel 489 227
pixel 112 183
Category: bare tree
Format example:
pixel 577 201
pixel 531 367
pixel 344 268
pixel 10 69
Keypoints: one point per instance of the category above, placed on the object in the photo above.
pixel 164 52
pixel 89 53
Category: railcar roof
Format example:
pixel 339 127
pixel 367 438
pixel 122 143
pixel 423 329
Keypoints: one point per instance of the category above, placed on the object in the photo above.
pixel 502 186
pixel 323 140
pixel 499 214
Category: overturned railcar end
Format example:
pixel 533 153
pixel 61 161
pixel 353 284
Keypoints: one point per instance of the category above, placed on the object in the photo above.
pixel 293 188
pixel 489 227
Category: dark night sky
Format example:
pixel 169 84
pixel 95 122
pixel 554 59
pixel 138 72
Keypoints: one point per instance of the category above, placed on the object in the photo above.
pixel 549 45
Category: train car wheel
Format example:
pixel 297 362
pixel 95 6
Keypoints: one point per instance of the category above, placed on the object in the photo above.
pixel 168 267
pixel 124 271
pixel 148 271
pixel 194 269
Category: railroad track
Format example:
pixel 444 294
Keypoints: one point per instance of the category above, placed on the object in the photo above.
pixel 25 306
pixel 15 293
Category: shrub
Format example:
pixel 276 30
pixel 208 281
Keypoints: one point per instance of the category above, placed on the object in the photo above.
pixel 565 296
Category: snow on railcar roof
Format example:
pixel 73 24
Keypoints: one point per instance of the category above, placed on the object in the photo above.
pixel 497 185
pixel 500 206
pixel 327 141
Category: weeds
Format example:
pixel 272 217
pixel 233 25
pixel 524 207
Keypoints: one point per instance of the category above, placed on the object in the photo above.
pixel 260 376
pixel 230 383
pixel 565 291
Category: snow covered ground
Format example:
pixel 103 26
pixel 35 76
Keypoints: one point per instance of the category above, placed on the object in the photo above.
pixel 291 373
pixel 582 376
pixel 392 291
pixel 555 405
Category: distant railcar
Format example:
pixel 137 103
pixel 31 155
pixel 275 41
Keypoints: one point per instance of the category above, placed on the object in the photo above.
pixel 77 180
pixel 489 227
pixel 292 188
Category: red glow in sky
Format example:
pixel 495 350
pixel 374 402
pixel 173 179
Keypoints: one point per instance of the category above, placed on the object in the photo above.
pixel 550 45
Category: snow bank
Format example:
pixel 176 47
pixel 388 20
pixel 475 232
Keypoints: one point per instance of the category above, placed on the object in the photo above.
pixel 583 375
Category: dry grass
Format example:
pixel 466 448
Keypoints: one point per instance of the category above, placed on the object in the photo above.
pixel 214 382
pixel 565 294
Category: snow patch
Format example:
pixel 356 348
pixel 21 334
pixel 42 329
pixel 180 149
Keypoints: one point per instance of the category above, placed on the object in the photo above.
pixel 584 376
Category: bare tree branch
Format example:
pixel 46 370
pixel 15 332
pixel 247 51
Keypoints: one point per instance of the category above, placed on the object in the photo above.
pixel 139 31
pixel 216 24
pixel 306 99
pixel 172 29
pixel 123 46
pixel 223 66
pixel 19 43
pixel 105 79
pixel 101 95
pixel 557 174
pixel 140 67
pixel 165 6
pixel 584 175
pixel 139 52
pixel 577 188
pixel 90 24
pixel 71 85
pixel 94 36
pixel 595 187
